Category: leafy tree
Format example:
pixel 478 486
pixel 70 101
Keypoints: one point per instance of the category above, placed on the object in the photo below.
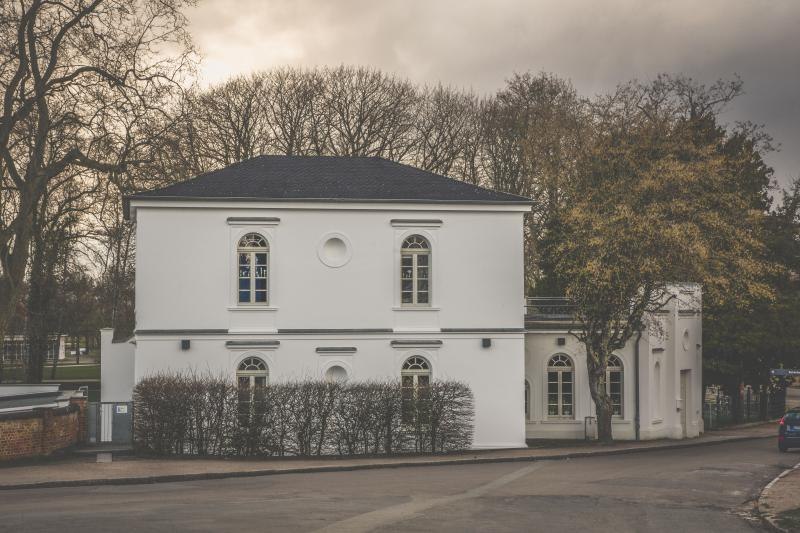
pixel 652 202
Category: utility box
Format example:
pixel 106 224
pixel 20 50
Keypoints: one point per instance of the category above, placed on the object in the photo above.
pixel 590 428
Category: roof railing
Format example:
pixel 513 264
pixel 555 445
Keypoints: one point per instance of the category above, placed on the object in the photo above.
pixel 549 308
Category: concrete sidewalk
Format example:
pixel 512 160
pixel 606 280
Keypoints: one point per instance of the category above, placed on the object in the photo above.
pixel 80 471
pixel 779 502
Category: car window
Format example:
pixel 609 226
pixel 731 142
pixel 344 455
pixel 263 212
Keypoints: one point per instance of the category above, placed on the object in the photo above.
pixel 792 418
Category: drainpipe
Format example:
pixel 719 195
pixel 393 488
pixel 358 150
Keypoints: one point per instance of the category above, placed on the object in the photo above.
pixel 636 421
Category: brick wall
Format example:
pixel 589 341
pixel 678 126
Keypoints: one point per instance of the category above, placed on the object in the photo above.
pixel 42 431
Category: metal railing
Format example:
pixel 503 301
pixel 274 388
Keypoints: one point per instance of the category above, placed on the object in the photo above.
pixel 549 308
pixel 719 411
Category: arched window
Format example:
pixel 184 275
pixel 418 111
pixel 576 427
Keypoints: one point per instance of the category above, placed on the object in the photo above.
pixel 252 372
pixel 527 400
pixel 615 385
pixel 415 377
pixel 560 380
pixel 415 269
pixel 252 253
pixel 336 374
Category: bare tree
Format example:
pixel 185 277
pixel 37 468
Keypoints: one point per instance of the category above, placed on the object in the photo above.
pixel 445 128
pixel 367 113
pixel 293 101
pixel 230 122
pixel 532 137
pixel 71 73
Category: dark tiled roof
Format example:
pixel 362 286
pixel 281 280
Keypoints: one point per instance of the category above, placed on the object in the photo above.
pixel 282 178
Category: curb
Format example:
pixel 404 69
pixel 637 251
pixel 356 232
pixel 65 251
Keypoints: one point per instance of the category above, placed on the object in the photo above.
pixel 171 478
pixel 767 518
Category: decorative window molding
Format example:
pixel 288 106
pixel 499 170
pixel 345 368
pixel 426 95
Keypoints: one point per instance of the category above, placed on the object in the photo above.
pixel 415 272
pixel 176 332
pixel 415 222
pixel 253 221
pixel 333 331
pixel 560 387
pixel 252 280
pixel 334 250
pixel 336 374
pixel 251 308
pixel 416 343
pixel 336 350
pixel 250 344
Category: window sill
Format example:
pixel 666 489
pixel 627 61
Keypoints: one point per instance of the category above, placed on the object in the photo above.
pixel 252 308
pixel 657 421
pixel 561 421
pixel 411 308
pixel 620 421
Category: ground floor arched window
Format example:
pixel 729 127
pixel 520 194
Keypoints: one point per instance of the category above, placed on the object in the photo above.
pixel 560 387
pixel 615 385
pixel 415 380
pixel 252 375
pixel 252 372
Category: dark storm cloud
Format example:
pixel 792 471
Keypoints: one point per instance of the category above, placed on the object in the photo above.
pixel 479 44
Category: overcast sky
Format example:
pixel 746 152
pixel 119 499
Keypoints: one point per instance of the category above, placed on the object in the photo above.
pixel 477 45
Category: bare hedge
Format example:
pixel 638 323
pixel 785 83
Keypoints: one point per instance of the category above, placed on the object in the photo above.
pixel 206 415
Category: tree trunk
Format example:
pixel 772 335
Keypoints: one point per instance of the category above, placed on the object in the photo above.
pixel 600 397
pixel 41 291
pixel 36 324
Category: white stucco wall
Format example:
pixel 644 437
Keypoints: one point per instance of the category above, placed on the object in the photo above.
pixel 185 289
pixel 186 281
pixel 116 368
pixel 492 373
pixel 186 256
pixel 675 346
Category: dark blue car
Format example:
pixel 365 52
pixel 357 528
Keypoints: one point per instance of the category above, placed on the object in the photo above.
pixel 789 431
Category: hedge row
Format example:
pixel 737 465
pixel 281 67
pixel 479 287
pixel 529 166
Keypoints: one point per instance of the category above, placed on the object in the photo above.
pixel 203 415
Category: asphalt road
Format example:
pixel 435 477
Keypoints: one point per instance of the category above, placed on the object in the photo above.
pixel 697 489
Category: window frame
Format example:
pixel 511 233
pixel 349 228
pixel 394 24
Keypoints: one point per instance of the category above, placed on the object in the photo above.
pixel 251 374
pixel 407 416
pixel 617 368
pixel 414 254
pixel 252 252
pixel 560 370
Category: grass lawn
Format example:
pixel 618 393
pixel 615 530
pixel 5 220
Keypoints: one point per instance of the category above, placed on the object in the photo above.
pixel 75 372
pixel 87 372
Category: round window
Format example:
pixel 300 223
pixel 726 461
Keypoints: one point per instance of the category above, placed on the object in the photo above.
pixel 336 374
pixel 334 250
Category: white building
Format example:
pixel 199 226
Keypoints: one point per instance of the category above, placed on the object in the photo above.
pixel 311 267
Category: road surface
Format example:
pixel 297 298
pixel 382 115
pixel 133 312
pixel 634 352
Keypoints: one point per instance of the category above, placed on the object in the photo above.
pixel 700 489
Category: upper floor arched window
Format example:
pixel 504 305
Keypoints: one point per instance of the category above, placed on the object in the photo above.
pixel 253 253
pixel 560 381
pixel 615 385
pixel 415 270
